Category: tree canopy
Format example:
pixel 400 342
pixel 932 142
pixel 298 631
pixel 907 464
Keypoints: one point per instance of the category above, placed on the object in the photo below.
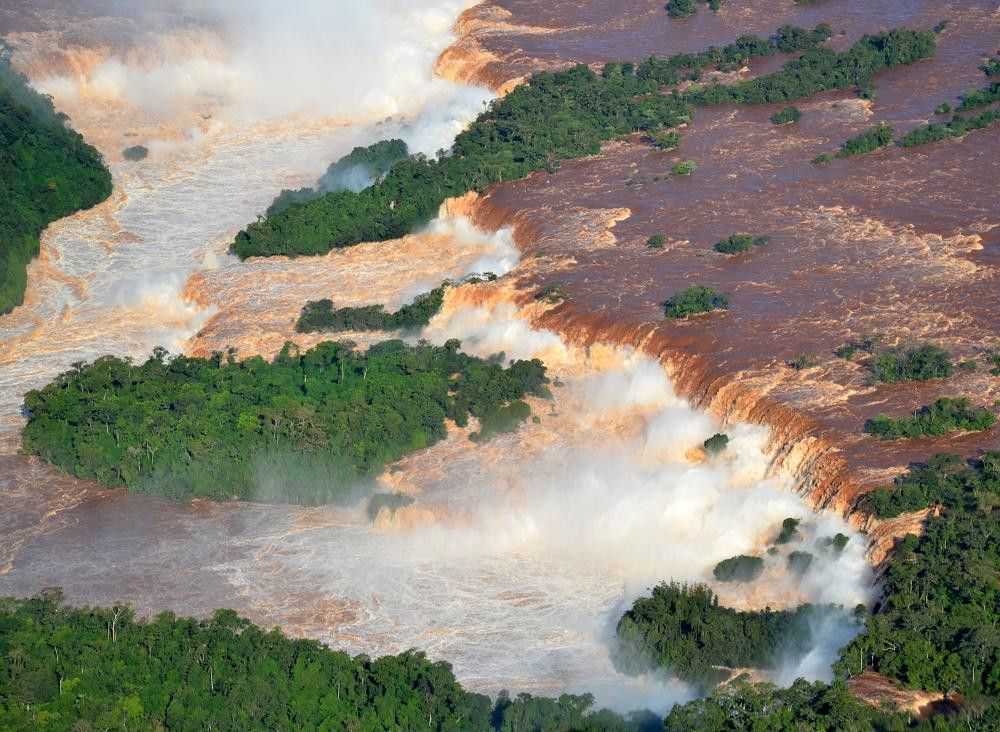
pixel 81 669
pixel 683 628
pixel 305 427
pixel 47 172
pixel 695 300
pixel 943 416
pixel 936 628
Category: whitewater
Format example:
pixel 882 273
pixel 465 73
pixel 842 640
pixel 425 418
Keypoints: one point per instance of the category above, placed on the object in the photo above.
pixel 519 555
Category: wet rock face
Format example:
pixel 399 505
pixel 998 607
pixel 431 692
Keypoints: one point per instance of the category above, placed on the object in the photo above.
pixel 901 242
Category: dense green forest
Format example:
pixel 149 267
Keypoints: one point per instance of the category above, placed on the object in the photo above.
pixel 557 116
pixel 669 70
pixel 355 171
pixel 937 627
pixel 934 629
pixel 99 669
pixel 47 171
pixel 683 628
pixel 65 669
pixel 554 117
pixel 803 707
pixel 943 416
pixel 306 427
pixel 945 479
pixel 820 69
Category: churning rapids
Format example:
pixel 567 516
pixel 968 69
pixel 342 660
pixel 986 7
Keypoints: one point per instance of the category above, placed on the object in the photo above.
pixel 519 555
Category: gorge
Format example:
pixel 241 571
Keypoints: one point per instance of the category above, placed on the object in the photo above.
pixel 519 554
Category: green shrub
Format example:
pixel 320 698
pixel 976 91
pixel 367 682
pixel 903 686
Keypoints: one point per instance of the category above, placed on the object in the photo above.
pixel 786 116
pixel 666 139
pixel 918 363
pixel 695 300
pixel 836 543
pixel 739 569
pixel 979 97
pixel 942 108
pixel 846 352
pixel 805 361
pixel 738 243
pixel 868 91
pixel 943 416
pixel 789 531
pixel 685 167
pixel 681 8
pixel 501 420
pixel 716 444
pixel 968 365
pixel 656 241
pixel 875 137
pixel 554 293
pixel 822 158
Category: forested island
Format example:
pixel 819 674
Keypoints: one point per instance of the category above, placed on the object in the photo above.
pixel 935 629
pixel 306 427
pixel 320 315
pixel 683 628
pixel 47 172
pixel 943 416
pixel 565 115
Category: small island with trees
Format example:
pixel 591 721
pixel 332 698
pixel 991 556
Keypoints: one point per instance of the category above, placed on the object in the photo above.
pixel 308 427
pixel 695 301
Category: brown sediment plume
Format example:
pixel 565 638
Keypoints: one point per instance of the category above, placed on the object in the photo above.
pixel 902 242
pixel 468 61
pixel 273 290
pixel 775 396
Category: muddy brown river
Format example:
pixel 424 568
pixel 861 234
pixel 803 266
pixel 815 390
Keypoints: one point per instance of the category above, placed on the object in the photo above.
pixel 519 555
